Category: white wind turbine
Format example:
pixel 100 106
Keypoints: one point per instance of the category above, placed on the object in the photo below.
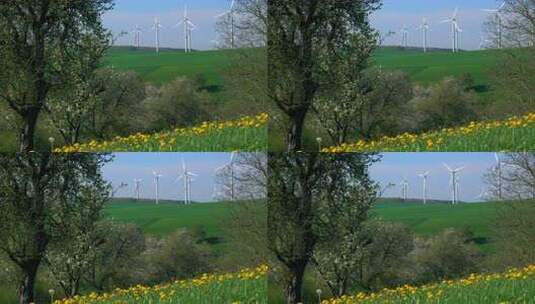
pixel 404 36
pixel 157 177
pixel 137 36
pixel 231 169
pixel 231 14
pixel 496 12
pixel 455 30
pixel 424 27
pixel 404 189
pixel 454 183
pixel 499 172
pixel 424 176
pixel 137 187
pixel 188 27
pixel 156 27
pixel 186 176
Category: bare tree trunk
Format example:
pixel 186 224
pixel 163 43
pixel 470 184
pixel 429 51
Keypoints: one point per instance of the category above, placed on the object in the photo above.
pixel 295 134
pixel 27 285
pixel 295 283
pixel 28 130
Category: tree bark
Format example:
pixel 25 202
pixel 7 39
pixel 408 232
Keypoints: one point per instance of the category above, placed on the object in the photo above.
pixel 28 130
pixel 27 285
pixel 295 135
pixel 295 283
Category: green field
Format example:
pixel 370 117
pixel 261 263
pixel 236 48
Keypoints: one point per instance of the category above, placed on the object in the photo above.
pixel 166 217
pixel 424 68
pixel 430 219
pixel 168 65
pixel 428 68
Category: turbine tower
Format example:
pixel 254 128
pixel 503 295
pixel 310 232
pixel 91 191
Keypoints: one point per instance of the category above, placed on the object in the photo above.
pixel 496 12
pixel 137 187
pixel 424 176
pixel 499 170
pixel 137 36
pixel 455 30
pixel 156 27
pixel 404 36
pixel 404 189
pixel 454 183
pixel 186 176
pixel 424 27
pixel 231 14
pixel 157 177
pixel 231 169
pixel 188 27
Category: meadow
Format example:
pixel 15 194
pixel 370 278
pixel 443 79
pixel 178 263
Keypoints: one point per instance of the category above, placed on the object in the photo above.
pixel 514 134
pixel 431 67
pixel 168 216
pixel 244 134
pixel 513 286
pixel 162 68
pixel 246 286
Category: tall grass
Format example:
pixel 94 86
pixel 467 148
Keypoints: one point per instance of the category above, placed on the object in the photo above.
pixel 245 134
pixel 513 286
pixel 246 286
pixel 514 134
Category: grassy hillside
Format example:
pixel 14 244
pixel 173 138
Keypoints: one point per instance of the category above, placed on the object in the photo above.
pixel 427 68
pixel 424 68
pixel 167 217
pixel 168 65
pixel 513 286
pixel 246 286
pixel 513 134
pixel 430 219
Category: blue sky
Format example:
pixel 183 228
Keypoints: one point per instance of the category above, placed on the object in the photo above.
pixel 396 166
pixel 129 13
pixel 129 166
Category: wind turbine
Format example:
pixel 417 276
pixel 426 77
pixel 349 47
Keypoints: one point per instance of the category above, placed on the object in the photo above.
pixel 404 36
pixel 454 183
pixel 499 171
pixel 157 177
pixel 425 30
pixel 186 177
pixel 137 36
pixel 424 175
pixel 455 30
pixel 231 15
pixel 137 189
pixel 156 27
pixel 188 27
pixel 230 167
pixel 404 189
pixel 497 14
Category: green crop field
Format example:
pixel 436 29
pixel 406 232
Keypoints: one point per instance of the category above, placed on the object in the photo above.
pixel 167 217
pixel 430 219
pixel 428 68
pixel 168 65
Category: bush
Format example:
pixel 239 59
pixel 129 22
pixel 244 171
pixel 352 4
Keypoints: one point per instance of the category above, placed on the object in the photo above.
pixel 448 255
pixel 178 104
pixel 446 105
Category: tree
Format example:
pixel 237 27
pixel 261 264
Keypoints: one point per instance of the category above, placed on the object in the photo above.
pixel 41 196
pixel 39 41
pixel 514 26
pixel 448 105
pixel 304 39
pixel 513 179
pixel 363 104
pixel 296 185
pixel 244 178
